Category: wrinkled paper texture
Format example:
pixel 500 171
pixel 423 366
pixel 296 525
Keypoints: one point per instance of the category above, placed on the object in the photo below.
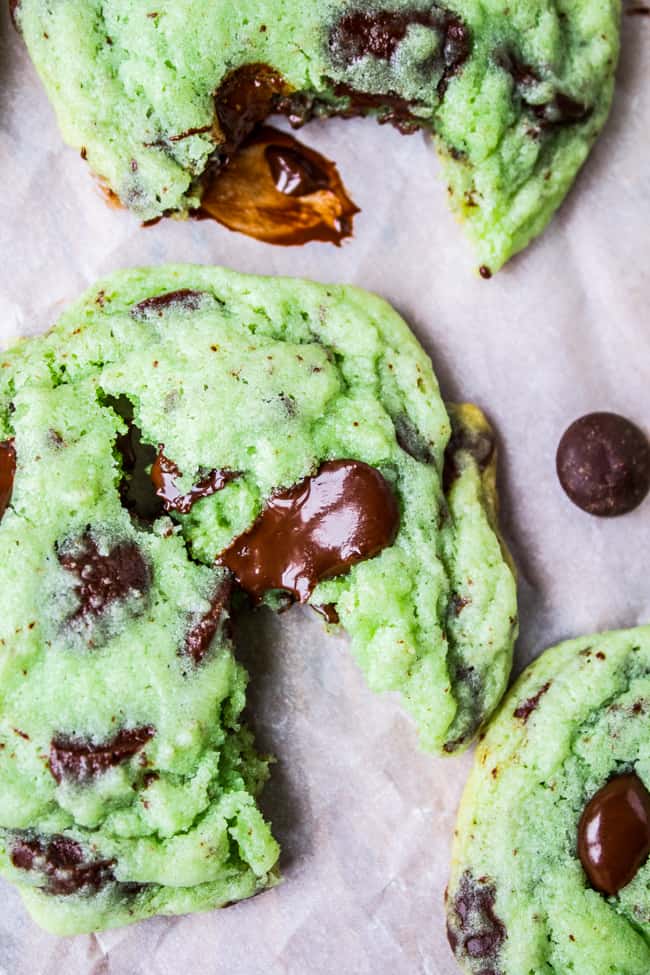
pixel 364 818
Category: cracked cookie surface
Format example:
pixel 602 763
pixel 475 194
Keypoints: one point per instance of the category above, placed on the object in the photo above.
pixel 515 93
pixel 172 423
pixel 550 866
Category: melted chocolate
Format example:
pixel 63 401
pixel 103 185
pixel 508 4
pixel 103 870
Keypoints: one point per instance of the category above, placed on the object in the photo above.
pixel 474 929
pixel 246 98
pixel 560 110
pixel 184 298
pixel 319 528
pixel 164 473
pixel 277 190
pixel 104 579
pixel 61 860
pixel 392 109
pixel 603 463
pixel 614 834
pixel 7 473
pixel 527 707
pixel 359 34
pixel 79 760
pixel 200 636
pixel 328 612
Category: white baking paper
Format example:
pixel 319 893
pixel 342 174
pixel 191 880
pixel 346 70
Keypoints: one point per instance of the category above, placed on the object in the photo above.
pixel 364 818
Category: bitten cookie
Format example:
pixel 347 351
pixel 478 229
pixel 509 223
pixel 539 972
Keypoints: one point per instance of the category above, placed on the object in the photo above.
pixel 154 98
pixel 550 870
pixel 181 435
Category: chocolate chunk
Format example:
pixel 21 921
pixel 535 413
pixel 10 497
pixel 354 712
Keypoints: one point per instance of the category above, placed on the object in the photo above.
pixel 392 108
pixel 474 930
pixel 246 98
pixel 319 528
pixel 156 306
pixel 411 440
pixel 277 190
pixel 79 760
pixel 603 463
pixel 103 579
pixel 527 707
pixel 7 473
pixel 163 476
pixel 137 492
pixel 293 172
pixel 61 860
pixel 200 636
pixel 614 834
pixel 561 109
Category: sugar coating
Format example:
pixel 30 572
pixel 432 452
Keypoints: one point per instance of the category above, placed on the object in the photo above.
pixel 518 899
pixel 268 378
pixel 129 83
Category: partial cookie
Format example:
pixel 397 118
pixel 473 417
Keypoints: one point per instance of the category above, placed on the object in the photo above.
pixel 550 870
pixel 184 433
pixel 154 99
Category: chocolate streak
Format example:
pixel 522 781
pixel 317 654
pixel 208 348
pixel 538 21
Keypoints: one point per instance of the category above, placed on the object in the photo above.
pixel 527 707
pixel 184 298
pixel 61 860
pixel 319 528
pixel 7 473
pixel 78 760
pixel 164 473
pixel 200 636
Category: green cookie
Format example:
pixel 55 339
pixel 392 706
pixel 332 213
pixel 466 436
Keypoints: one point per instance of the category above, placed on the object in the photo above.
pixel 550 870
pixel 515 93
pixel 127 781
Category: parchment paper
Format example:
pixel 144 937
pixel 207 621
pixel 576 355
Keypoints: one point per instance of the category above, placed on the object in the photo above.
pixel 365 819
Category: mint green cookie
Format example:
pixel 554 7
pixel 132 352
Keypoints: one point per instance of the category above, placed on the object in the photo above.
pixel 127 781
pixel 515 94
pixel 550 870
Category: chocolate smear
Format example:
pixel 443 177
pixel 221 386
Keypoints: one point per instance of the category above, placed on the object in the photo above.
pixel 163 476
pixel 277 190
pixel 474 930
pixel 185 299
pixel 61 860
pixel 343 514
pixel 79 760
pixel 526 708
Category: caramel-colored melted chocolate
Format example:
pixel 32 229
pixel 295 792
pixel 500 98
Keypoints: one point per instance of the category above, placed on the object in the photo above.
pixel 164 473
pixel 614 833
pixel 319 528
pixel 277 190
pixel 7 473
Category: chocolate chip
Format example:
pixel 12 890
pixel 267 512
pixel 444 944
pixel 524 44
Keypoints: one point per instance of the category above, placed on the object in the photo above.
pixel 526 708
pixel 603 463
pixel 103 579
pixel 392 109
pixel 480 444
pixel 163 476
pixel 561 109
pixel 61 861
pixel 614 834
pixel 79 760
pixel 359 34
pixel 328 612
pixel 200 636
pixel 7 473
pixel 319 528
pixel 184 298
pixel 474 930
